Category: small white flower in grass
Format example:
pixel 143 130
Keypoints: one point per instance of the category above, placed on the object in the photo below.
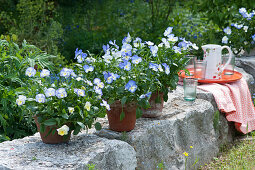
pixel 168 31
pixel 172 38
pixel 71 109
pixel 128 40
pixel 98 90
pixel 126 57
pixel 78 78
pixel 194 46
pixel 90 59
pixel 136 59
pixel 87 106
pixel 225 40
pixel 89 83
pixel 245 28
pixel 227 30
pixel 105 104
pixel 167 68
pixel 107 58
pixel 79 92
pixel 40 98
pixel 167 44
pixel 160 68
pixel 142 96
pixel 96 81
pixel 242 10
pixel 45 73
pixel 88 68
pixel 161 45
pixel 21 100
pixel 137 41
pixel 50 92
pixel 73 74
pixel 61 93
pixel 65 72
pixel 63 130
pixel 22 97
pixel 30 72
pixel 149 43
pixel 100 85
pixel 154 50
pixel 117 54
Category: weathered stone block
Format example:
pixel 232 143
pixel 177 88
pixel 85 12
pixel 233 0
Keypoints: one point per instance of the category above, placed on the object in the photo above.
pixel 31 153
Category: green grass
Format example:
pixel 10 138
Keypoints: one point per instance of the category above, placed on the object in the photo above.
pixel 240 155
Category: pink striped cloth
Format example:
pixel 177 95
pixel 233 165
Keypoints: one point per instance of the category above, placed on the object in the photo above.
pixel 234 99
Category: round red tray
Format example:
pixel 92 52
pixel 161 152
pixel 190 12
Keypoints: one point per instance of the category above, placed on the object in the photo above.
pixel 224 78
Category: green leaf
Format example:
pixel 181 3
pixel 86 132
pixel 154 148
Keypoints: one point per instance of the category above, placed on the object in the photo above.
pixel 123 100
pixel 111 101
pixel 50 122
pixel 98 126
pixel 122 116
pixel 165 97
pixel 79 111
pixel 81 124
pixel 138 112
pixel 65 116
pixel 76 130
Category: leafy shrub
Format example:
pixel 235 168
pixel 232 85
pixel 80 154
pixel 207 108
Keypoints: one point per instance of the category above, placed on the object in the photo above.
pixel 194 27
pixel 91 24
pixel 61 26
pixel 34 21
pixel 219 11
pixel 13 62
pixel 240 34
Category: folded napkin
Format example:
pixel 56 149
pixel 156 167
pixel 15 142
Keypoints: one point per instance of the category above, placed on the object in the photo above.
pixel 234 99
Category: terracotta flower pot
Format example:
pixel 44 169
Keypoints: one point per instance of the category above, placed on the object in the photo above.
pixel 156 108
pixel 50 138
pixel 128 123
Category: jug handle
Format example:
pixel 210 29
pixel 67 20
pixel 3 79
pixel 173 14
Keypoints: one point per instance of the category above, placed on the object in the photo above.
pixel 230 56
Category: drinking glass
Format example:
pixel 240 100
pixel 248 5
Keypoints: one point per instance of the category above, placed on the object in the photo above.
pixel 190 64
pixel 190 88
pixel 200 69
pixel 229 70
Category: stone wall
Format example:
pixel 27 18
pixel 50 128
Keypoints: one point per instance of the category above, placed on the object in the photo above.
pixel 163 139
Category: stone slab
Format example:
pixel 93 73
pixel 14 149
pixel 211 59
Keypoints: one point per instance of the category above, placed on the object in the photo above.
pixel 30 153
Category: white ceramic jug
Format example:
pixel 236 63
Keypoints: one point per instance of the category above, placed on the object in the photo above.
pixel 212 54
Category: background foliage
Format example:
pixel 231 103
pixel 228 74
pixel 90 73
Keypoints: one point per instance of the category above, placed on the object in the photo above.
pixel 61 26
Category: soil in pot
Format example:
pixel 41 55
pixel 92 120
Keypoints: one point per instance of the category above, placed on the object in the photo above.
pixel 50 138
pixel 128 123
pixel 156 106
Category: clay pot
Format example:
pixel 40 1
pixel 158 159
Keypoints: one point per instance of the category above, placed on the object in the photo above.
pixel 128 123
pixel 156 108
pixel 50 138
